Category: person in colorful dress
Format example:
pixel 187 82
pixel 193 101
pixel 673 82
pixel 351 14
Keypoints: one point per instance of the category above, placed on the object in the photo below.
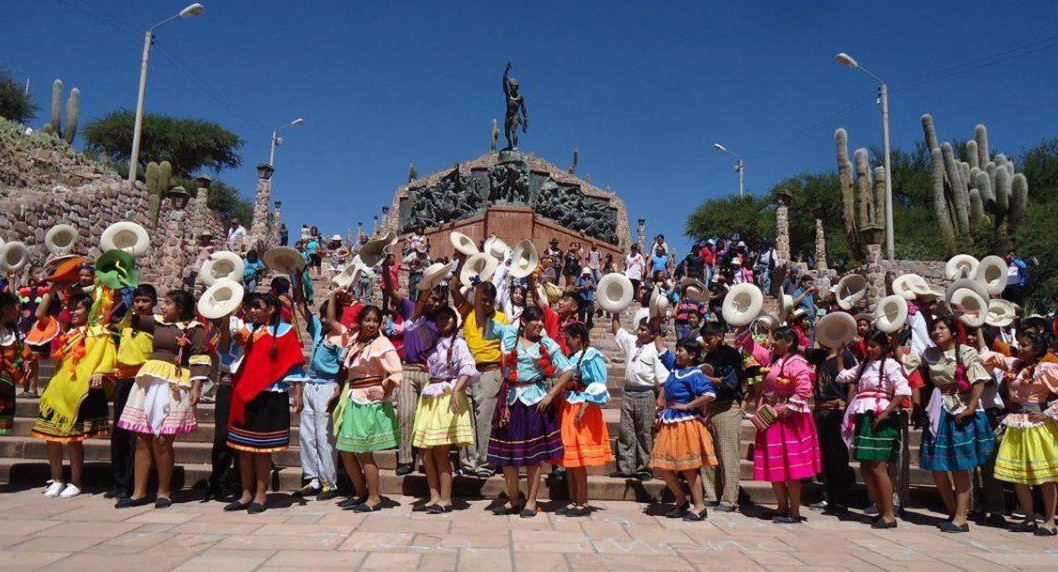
pixel 869 427
pixel 787 446
pixel 161 405
pixel 585 439
pixel 364 419
pixel 683 444
pixel 262 398
pixel 442 417
pixel 525 430
pixel 73 408
pixel 957 437
pixel 10 360
pixel 1028 452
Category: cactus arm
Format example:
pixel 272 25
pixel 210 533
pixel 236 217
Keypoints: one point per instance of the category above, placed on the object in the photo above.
pixel 940 202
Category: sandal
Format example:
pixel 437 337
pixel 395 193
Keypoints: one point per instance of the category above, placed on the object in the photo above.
pixel 367 508
pixel 1024 527
pixel 438 509
pixel 1042 531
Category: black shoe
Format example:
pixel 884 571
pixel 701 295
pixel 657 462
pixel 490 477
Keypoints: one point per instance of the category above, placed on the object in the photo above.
pixel 128 502
pixel 438 509
pixel 620 475
pixel 111 494
pixel 578 511
pixel 1041 531
pixel 502 510
pixel 786 519
pixel 836 510
pixel 352 502
pixel 821 505
pixel 678 510
pixel 954 528
pixel 995 519
pixel 871 510
pixel 327 493
pixel 306 491
pixel 712 503
pixel 419 507
pixel 1024 527
pixel 726 508
pixel 527 513
pixel 256 508
pixel 163 502
pixel 564 511
pixel 234 506
pixel 644 476
pixel 406 469
pixel 692 516
pixel 367 508
pixel 880 523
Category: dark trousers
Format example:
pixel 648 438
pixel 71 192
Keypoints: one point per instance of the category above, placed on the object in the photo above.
pixel 900 471
pixel 988 493
pixel 838 477
pixel 586 313
pixel 225 473
pixel 122 442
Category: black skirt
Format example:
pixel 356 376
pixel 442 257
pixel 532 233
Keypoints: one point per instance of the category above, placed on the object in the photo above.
pixel 266 428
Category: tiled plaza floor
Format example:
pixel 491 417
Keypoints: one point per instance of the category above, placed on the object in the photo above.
pixel 85 533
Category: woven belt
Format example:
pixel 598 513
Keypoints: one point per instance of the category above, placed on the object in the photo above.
pixel 488 366
pixel 415 366
pixel 364 382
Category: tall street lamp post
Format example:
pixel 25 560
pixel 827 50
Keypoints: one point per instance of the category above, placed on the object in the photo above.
pixel 740 167
pixel 276 141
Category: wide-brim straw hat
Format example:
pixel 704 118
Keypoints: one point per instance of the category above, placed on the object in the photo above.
pixel 992 272
pixel 659 304
pixel 960 266
pixel 346 277
pixel 13 256
pixel 222 265
pixel 66 272
pixel 462 243
pixel 374 251
pixel 127 236
pixel 742 304
pixel 614 293
pixel 835 329
pixel 785 304
pixel 524 259
pixel 968 301
pixel 1001 313
pixel 906 285
pixel 481 265
pixel 496 248
pixel 641 315
pixel 850 290
pixel 221 299
pixel 891 313
pixel 60 239
pixel 769 322
pixel 694 289
pixel 284 260
pixel 434 273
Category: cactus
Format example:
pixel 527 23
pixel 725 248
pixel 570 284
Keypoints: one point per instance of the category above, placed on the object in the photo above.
pixel 960 194
pixel 940 201
pixel 1019 198
pixel 977 208
pixel 930 132
pixel 73 112
pixel 157 176
pixel 866 209
pixel 971 154
pixel 981 136
pixel 879 196
pixel 984 187
pixel 56 107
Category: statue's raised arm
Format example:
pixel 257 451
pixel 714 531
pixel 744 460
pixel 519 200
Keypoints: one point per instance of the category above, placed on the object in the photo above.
pixel 506 80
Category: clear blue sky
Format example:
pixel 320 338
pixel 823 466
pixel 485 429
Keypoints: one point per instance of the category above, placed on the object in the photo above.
pixel 642 89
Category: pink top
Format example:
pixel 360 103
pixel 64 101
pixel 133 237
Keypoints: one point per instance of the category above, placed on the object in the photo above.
pixel 1030 385
pixel 788 377
pixel 377 359
pixel 876 387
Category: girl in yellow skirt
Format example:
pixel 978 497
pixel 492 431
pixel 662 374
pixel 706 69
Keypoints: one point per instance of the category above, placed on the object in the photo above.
pixel 1028 453
pixel 74 406
pixel 585 440
pixel 442 418
pixel 683 444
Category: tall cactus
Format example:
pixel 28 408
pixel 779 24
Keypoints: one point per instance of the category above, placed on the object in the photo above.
pixel 73 113
pixel 1019 198
pixel 960 194
pixel 929 131
pixel 971 154
pixel 56 107
pixel 848 193
pixel 981 137
pixel 940 201
pixel 879 195
pixel 862 195
pixel 157 175
pixel 863 185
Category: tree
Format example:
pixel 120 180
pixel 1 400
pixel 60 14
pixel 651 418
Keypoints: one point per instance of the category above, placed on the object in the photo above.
pixel 15 105
pixel 229 203
pixel 190 145
pixel 749 216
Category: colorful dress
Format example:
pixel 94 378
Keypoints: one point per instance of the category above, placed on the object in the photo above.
pixel 70 410
pixel 160 401
pixel 522 435
pixel 259 418
pixel 877 384
pixel 947 444
pixel 435 424
pixel 362 424
pixel 10 375
pixel 683 443
pixel 586 443
pixel 1028 452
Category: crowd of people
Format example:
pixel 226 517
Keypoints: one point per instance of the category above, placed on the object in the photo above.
pixel 501 371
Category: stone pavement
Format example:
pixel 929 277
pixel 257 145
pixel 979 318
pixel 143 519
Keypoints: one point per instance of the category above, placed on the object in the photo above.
pixel 85 533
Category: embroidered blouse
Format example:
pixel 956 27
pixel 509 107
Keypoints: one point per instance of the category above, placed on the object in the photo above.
pixel 377 359
pixel 181 343
pixel 877 385
pixel 683 386
pixel 530 375
pixel 1030 390
pixel 448 361
pixel 591 385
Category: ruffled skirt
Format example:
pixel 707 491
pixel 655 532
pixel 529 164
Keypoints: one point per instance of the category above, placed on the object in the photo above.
pixel 787 450
pixel 157 407
pixel 367 427
pixel 530 437
pixel 881 444
pixel 682 446
pixel 1029 455
pixel 437 426
pixel 584 444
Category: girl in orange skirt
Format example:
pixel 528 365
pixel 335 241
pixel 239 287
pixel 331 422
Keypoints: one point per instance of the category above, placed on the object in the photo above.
pixel 585 440
pixel 683 444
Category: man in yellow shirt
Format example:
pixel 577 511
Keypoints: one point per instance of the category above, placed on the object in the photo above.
pixel 487 354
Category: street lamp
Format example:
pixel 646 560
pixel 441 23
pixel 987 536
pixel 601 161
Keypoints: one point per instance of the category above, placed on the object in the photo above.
pixel 276 141
pixel 179 197
pixel 883 96
pixel 191 11
pixel 740 167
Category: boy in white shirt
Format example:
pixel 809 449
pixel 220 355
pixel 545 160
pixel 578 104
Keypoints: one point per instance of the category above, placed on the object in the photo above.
pixel 644 373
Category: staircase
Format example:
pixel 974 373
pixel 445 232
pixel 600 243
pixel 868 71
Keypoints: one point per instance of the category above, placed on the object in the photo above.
pixel 23 459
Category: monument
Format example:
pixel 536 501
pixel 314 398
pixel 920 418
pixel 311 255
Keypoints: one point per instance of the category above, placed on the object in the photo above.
pixel 511 194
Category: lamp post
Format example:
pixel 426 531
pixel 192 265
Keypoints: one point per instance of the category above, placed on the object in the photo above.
pixel 191 11
pixel 883 97
pixel 276 141
pixel 740 167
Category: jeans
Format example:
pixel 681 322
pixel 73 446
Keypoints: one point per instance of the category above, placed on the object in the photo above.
pixel 586 312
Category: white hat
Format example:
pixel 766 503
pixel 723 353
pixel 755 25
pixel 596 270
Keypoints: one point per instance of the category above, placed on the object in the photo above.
pixel 284 260
pixel 496 248
pixel 960 266
pixel 585 270
pixel 905 285
pixel 659 304
pixel 614 292
pixel 1001 313
pixel 127 236
pixel 785 304
pixel 693 289
pixel 463 243
pixel 850 290
pixel 221 299
pixel 767 321
pixel 481 265
pixel 336 238
pixel 641 315
pixel 835 329
pixel 742 304
pixel 13 256
pixel 346 277
pixel 992 272
pixel 434 273
pixel 736 261
pixel 524 259
pixel 968 300
pixel 222 265
pixel 60 239
pixel 374 251
pixel 890 313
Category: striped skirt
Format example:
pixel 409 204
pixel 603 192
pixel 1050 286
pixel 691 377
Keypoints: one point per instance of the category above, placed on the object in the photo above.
pixel 881 444
pixel 1029 455
pixel 787 450
pixel 266 428
pixel 93 420
pixel 957 446
pixel 529 438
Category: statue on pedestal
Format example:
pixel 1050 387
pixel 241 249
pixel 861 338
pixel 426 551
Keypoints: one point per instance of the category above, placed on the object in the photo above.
pixel 516 111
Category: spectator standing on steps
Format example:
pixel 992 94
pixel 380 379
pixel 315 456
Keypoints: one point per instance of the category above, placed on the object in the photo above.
pixel 644 374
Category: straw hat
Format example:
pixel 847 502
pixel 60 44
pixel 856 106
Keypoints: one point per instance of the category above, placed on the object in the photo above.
pixel 960 266
pixel 346 277
pixel 284 260
pixel 890 313
pixel 992 272
pixel 13 256
pixel 552 292
pixel 835 329
pixel 614 292
pixel 968 300
pixel 481 265
pixel 221 299
pixel 66 273
pixel 463 243
pixel 524 259
pixel 768 322
pixel 694 289
pixel 1001 313
pixel 641 315
pixel 53 262
pixel 742 304
pixel 850 290
pixel 222 265
pixel 496 248
pixel 926 290
pixel 127 236
pixel 905 285
pixel 785 304
pixel 659 304
pixel 60 239
pixel 434 273
pixel 374 251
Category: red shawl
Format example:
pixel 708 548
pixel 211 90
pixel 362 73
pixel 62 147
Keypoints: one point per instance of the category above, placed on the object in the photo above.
pixel 260 368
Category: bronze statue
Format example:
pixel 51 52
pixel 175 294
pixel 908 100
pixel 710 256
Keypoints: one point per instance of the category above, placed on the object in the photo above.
pixel 412 173
pixel 515 104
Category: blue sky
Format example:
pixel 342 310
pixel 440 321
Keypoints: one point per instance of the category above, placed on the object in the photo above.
pixel 642 89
